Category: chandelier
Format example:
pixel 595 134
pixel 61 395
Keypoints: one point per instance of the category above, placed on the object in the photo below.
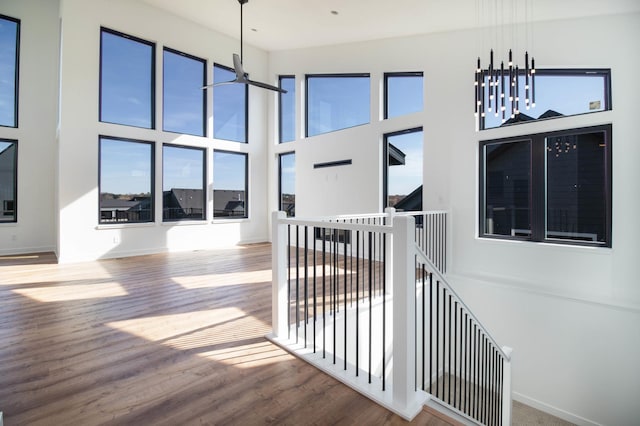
pixel 498 86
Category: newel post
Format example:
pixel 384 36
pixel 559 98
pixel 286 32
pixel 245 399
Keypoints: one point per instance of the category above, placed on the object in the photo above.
pixel 506 388
pixel 279 252
pixel 404 280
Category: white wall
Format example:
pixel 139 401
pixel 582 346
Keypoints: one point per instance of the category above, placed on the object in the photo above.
pixel 80 236
pixel 571 313
pixel 38 82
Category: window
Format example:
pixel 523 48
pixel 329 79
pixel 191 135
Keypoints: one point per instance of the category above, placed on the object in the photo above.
pixel 558 93
pixel 403 169
pixel 184 101
pixel 8 180
pixel 337 101
pixel 127 70
pixel 552 187
pixel 9 54
pixel 126 180
pixel 287 183
pixel 230 191
pixel 287 109
pixel 403 93
pixel 230 106
pixel 183 183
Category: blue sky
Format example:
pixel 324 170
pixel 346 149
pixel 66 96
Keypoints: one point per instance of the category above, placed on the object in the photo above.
pixel 182 168
pixel 337 103
pixel 567 95
pixel 288 170
pixel 183 107
pixel 403 179
pixel 288 107
pixel 229 171
pixel 229 107
pixel 125 167
pixel 126 81
pixel 8 33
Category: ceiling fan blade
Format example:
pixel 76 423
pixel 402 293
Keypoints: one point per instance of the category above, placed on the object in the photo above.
pixel 266 86
pixel 237 65
pixel 208 86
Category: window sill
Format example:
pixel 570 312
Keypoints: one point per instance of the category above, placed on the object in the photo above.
pixel 577 248
pixel 232 220
pixel 185 222
pixel 125 225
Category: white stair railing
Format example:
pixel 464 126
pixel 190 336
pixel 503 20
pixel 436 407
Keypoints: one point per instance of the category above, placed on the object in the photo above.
pixel 350 296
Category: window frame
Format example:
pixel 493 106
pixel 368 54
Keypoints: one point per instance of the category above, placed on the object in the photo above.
pixel 538 186
pixel 385 160
pixel 307 77
pixel 246 185
pixel 280 156
pixel 280 112
pixel 15 183
pixel 246 106
pixel 204 93
pixel 204 182
pixel 152 178
pixel 16 89
pixel 152 81
pixel 541 72
pixel 385 95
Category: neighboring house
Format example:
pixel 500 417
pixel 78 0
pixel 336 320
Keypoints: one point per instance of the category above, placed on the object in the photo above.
pixel 180 203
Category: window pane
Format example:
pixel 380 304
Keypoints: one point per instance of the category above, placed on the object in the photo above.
pixel 288 109
pixel 556 95
pixel 126 81
pixel 404 94
pixel 126 181
pixel 337 102
pixel 8 179
pixel 183 97
pixel 229 107
pixel 288 183
pixel 507 189
pixel 576 194
pixel 9 34
pixel 404 170
pixel 183 196
pixel 229 185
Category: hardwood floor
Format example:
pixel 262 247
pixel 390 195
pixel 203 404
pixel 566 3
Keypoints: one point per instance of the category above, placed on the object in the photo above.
pixel 164 339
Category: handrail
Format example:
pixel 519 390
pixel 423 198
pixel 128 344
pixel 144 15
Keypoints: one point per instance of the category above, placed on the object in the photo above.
pixel 423 258
pixel 337 225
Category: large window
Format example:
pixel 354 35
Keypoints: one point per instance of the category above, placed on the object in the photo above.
pixel 337 101
pixel 287 183
pixel 553 187
pixel 127 70
pixel 558 93
pixel 403 169
pixel 184 101
pixel 8 180
pixel 403 93
pixel 126 180
pixel 9 53
pixel 230 106
pixel 230 191
pixel 287 109
pixel 183 183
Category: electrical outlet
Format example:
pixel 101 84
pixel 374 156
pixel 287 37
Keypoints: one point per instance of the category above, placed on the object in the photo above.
pixel 14 237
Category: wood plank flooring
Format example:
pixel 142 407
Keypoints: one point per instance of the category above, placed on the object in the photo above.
pixel 173 339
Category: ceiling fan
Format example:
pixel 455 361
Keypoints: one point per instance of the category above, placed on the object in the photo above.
pixel 241 76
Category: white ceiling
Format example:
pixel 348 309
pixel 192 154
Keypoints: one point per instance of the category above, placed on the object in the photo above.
pixel 291 24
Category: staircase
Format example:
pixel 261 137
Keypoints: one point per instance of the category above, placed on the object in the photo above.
pixel 364 298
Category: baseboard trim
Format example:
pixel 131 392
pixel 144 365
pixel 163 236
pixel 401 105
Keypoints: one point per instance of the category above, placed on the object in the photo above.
pixel 27 250
pixel 550 409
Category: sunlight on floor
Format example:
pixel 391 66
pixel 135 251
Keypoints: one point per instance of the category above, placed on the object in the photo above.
pixel 227 335
pixel 65 293
pixel 217 280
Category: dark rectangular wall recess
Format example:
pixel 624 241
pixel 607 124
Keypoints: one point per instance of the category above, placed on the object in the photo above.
pixel 332 164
